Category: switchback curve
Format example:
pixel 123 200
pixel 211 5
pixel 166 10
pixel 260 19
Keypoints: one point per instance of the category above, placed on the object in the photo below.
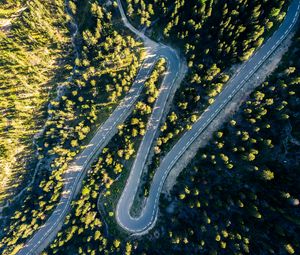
pixel 142 223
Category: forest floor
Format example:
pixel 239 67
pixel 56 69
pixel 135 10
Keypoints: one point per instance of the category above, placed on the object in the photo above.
pixel 5 22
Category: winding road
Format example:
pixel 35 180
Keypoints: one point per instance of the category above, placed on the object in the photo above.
pixel 175 71
pixel 149 212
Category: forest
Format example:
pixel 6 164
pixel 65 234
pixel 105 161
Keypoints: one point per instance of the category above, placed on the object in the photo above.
pixel 34 59
pixel 244 180
pixel 85 214
pixel 226 200
pixel 212 57
pixel 106 65
pixel 66 65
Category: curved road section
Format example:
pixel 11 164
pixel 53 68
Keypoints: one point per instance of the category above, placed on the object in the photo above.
pixel 76 171
pixel 148 215
pixel 78 168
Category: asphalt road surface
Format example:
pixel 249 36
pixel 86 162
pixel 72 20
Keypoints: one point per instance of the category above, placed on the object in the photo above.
pixel 148 215
pixel 78 168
